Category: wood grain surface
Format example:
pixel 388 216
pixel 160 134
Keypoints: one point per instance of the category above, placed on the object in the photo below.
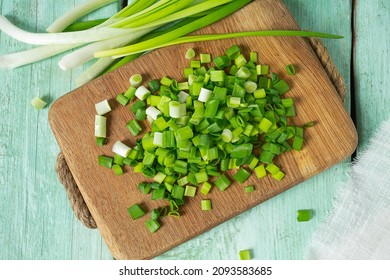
pixel 332 140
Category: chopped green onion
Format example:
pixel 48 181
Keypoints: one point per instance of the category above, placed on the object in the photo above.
pixel 102 107
pixel 105 161
pixel 158 193
pixel 278 175
pixel 122 99
pixel 249 189
pixel 245 255
pixel 260 93
pixel 204 95
pixel 178 192
pixel 142 93
pixel 243 73
pixel 38 103
pixel 100 126
pixel 222 182
pixel 152 225
pixel 195 64
pixel 118 159
pixel 242 175
pixel 182 96
pixel 206 187
pixel 117 169
pixel 201 177
pixel 135 81
pixel 121 149
pixel 272 168
pixel 190 54
pixel 241 151
pixel 130 93
pixel 250 86
pixel 134 127
pixel 233 52
pixel 281 86
pixel 136 211
pixel 309 124
pixel 217 76
pixel 226 135
pixel 159 177
pixel 222 61
pixel 290 69
pixel 174 109
pixel 190 191
pixel 260 171
pixel 154 85
pixel 101 141
pixel 253 57
pixel 206 205
pixel 153 112
pixel 155 214
pixel 303 215
pixel 298 143
pixel 205 58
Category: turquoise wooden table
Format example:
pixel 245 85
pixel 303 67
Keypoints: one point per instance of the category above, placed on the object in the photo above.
pixel 36 221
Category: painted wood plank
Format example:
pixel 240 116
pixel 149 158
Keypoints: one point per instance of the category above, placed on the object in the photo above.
pixel 36 220
pixel 372 71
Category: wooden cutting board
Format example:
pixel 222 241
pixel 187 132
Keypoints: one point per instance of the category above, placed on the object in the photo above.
pixel 330 141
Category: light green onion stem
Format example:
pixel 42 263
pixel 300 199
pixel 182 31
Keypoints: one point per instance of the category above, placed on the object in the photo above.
pixel 133 49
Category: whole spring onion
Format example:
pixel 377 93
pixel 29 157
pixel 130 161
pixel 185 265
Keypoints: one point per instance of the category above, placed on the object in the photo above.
pixel 141 26
pixel 137 19
pixel 213 124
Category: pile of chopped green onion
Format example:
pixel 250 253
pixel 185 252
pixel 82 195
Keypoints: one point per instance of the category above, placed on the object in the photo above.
pixel 230 113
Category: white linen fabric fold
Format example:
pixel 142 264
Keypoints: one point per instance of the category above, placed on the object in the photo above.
pixel 358 228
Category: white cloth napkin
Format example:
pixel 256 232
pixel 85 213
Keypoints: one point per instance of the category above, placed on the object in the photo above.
pixel 359 224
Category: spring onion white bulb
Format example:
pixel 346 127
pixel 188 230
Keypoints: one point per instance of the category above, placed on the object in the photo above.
pixel 103 107
pixel 121 149
pixel 204 95
pixel 182 96
pixel 174 109
pixel 153 112
pixel 157 139
pixel 17 59
pixel 38 103
pixel 76 37
pixel 227 135
pixel 142 93
pixel 135 80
